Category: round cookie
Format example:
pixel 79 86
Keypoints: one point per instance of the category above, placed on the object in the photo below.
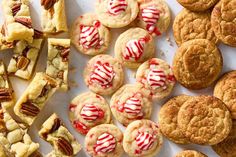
pixel 88 110
pixel 103 74
pixel 223 20
pixel 204 120
pixel 154 16
pixel 116 13
pixel 190 153
pixel 104 140
pixel 142 138
pixel 130 103
pixel 157 77
pixel 134 46
pixel 197 64
pixel 190 25
pixel 89 36
pixel 197 5
pixel 168 119
pixel 225 89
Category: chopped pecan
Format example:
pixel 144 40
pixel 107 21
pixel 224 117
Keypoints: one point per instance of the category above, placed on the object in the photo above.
pixel 56 125
pixel 25 51
pixel 38 34
pixel 24 21
pixel 22 62
pixel 16 8
pixel 60 74
pixel 36 154
pixel 8 44
pixel 3 31
pixel 5 94
pixel 44 90
pixel 29 109
pixel 47 4
pixel 64 146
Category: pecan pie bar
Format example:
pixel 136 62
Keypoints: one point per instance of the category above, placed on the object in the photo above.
pixel 3 43
pixel 25 57
pixel 57 61
pixel 18 23
pixel 53 16
pixel 54 132
pixel 7 98
pixel 35 96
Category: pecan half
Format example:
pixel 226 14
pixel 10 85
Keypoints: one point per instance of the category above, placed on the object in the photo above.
pixel 29 109
pixel 5 94
pixel 38 34
pixel 60 74
pixel 56 125
pixel 24 21
pixel 36 154
pixel 47 4
pixel 64 146
pixel 22 62
pixel 16 8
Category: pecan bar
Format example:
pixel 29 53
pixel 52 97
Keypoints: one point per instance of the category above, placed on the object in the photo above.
pixel 57 61
pixel 4 45
pixel 25 58
pixel 35 96
pixel 14 137
pixel 7 98
pixel 63 142
pixel 53 16
pixel 18 23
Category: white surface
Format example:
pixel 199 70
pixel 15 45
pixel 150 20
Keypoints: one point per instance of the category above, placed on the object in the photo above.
pixel 59 102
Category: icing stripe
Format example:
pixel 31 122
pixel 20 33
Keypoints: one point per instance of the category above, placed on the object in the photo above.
pixel 144 141
pixel 105 143
pixel 117 6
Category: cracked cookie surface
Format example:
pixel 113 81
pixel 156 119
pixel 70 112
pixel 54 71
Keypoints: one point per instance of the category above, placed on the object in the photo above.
pixel 190 153
pixel 197 5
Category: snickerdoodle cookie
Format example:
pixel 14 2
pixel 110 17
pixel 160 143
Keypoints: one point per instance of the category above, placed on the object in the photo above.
pixel 197 64
pixel 225 89
pixel 197 5
pixel 168 119
pixel 204 120
pixel 190 153
pixel 142 138
pixel 190 25
pixel 134 46
pixel 223 20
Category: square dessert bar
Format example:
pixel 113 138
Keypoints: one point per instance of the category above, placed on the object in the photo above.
pixel 53 16
pixel 7 97
pixel 63 142
pixel 25 57
pixel 18 23
pixel 57 61
pixel 31 102
pixel 4 45
pixel 14 137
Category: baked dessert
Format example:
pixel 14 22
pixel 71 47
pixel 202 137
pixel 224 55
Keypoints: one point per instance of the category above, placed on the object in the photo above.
pixel 89 35
pixel 4 45
pixel 53 18
pixel 103 74
pixel 134 46
pixel 142 138
pixel 88 110
pixel 198 5
pixel 190 153
pixel 31 102
pixel 130 103
pixel 58 61
pixel 157 77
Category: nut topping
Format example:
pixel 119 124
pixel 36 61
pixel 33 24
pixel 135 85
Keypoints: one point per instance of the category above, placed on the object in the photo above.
pixel 60 74
pixel 64 54
pixel 64 146
pixel 38 34
pixel 22 62
pixel 56 125
pixel 44 90
pixel 5 94
pixel 47 4
pixel 24 21
pixel 29 109
pixel 16 8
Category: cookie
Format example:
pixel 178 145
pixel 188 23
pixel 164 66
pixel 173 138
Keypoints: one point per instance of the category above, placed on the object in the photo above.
pixel 89 36
pixel 142 138
pixel 88 110
pixel 168 119
pixel 130 103
pixel 225 90
pixel 197 64
pixel 157 77
pixel 197 5
pixel 103 74
pixel 154 16
pixel 134 46
pixel 190 153
pixel 116 13
pixel 104 140
pixel 190 25
pixel 223 21
pixel 204 120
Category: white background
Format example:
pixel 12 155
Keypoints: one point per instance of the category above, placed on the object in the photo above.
pixel 59 102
